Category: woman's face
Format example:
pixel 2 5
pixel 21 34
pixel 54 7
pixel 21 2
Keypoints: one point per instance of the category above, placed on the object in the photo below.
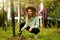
pixel 29 12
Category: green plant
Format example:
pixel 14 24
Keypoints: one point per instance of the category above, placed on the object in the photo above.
pixel 3 18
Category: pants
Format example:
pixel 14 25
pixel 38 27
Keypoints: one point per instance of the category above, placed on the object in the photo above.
pixel 34 30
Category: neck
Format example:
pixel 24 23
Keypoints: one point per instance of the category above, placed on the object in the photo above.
pixel 30 17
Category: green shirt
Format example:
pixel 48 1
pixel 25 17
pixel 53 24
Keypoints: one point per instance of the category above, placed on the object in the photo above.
pixel 33 22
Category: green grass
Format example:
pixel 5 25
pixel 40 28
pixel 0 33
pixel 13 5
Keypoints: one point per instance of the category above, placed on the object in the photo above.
pixel 45 34
pixel 4 35
pixel 8 34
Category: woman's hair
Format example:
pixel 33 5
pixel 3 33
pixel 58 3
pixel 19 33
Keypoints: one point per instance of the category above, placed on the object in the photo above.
pixel 33 9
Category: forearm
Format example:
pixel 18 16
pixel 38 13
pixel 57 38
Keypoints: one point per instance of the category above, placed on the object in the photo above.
pixel 24 27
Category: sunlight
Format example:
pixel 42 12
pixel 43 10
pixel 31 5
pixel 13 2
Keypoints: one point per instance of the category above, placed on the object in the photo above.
pixel 41 6
pixel 9 15
pixel 2 0
pixel 1 4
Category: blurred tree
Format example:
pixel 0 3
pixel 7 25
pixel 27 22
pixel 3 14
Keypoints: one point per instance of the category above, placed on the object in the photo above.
pixel 13 18
pixel 3 13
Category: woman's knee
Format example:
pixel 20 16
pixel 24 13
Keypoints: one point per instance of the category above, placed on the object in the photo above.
pixel 35 31
pixel 22 25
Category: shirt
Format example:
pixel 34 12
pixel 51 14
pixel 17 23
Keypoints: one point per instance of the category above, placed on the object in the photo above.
pixel 33 22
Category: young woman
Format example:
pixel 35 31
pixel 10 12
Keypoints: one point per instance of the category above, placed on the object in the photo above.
pixel 32 21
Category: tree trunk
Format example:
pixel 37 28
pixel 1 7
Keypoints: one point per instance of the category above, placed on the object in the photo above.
pixel 19 15
pixel 3 14
pixel 19 11
pixel 13 17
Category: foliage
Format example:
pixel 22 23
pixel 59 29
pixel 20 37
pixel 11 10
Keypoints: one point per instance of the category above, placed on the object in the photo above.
pixel 45 34
pixel 1 17
pixel 54 12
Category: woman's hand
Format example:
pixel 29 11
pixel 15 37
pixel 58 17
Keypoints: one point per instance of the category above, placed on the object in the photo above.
pixel 30 29
pixel 22 28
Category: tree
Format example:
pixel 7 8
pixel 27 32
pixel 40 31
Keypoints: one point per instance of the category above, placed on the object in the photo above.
pixel 12 15
pixel 3 14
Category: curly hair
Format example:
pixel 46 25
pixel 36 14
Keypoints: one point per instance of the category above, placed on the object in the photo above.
pixel 33 10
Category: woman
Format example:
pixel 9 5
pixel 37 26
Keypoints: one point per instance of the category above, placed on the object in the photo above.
pixel 32 21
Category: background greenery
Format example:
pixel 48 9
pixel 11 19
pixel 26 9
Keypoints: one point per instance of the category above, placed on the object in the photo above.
pixel 45 34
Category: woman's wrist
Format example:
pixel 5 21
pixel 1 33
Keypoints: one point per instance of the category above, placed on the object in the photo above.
pixel 22 28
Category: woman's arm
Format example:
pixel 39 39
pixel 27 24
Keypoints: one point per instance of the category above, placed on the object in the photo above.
pixel 25 26
pixel 35 23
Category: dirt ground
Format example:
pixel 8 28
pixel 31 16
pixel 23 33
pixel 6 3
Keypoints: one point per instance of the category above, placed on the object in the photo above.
pixel 18 37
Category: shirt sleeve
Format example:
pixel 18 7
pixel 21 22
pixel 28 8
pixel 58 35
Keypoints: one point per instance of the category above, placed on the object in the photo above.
pixel 25 26
pixel 26 23
pixel 37 22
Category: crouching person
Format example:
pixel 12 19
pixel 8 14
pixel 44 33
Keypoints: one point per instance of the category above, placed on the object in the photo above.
pixel 32 21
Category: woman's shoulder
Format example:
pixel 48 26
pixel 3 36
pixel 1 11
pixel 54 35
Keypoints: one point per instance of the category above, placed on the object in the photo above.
pixel 36 17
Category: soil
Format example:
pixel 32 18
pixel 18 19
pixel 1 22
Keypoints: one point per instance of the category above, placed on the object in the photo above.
pixel 18 37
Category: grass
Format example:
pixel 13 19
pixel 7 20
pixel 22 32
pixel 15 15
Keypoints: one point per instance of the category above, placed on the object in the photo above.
pixel 45 34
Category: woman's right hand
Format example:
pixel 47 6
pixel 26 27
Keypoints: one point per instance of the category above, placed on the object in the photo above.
pixel 22 28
